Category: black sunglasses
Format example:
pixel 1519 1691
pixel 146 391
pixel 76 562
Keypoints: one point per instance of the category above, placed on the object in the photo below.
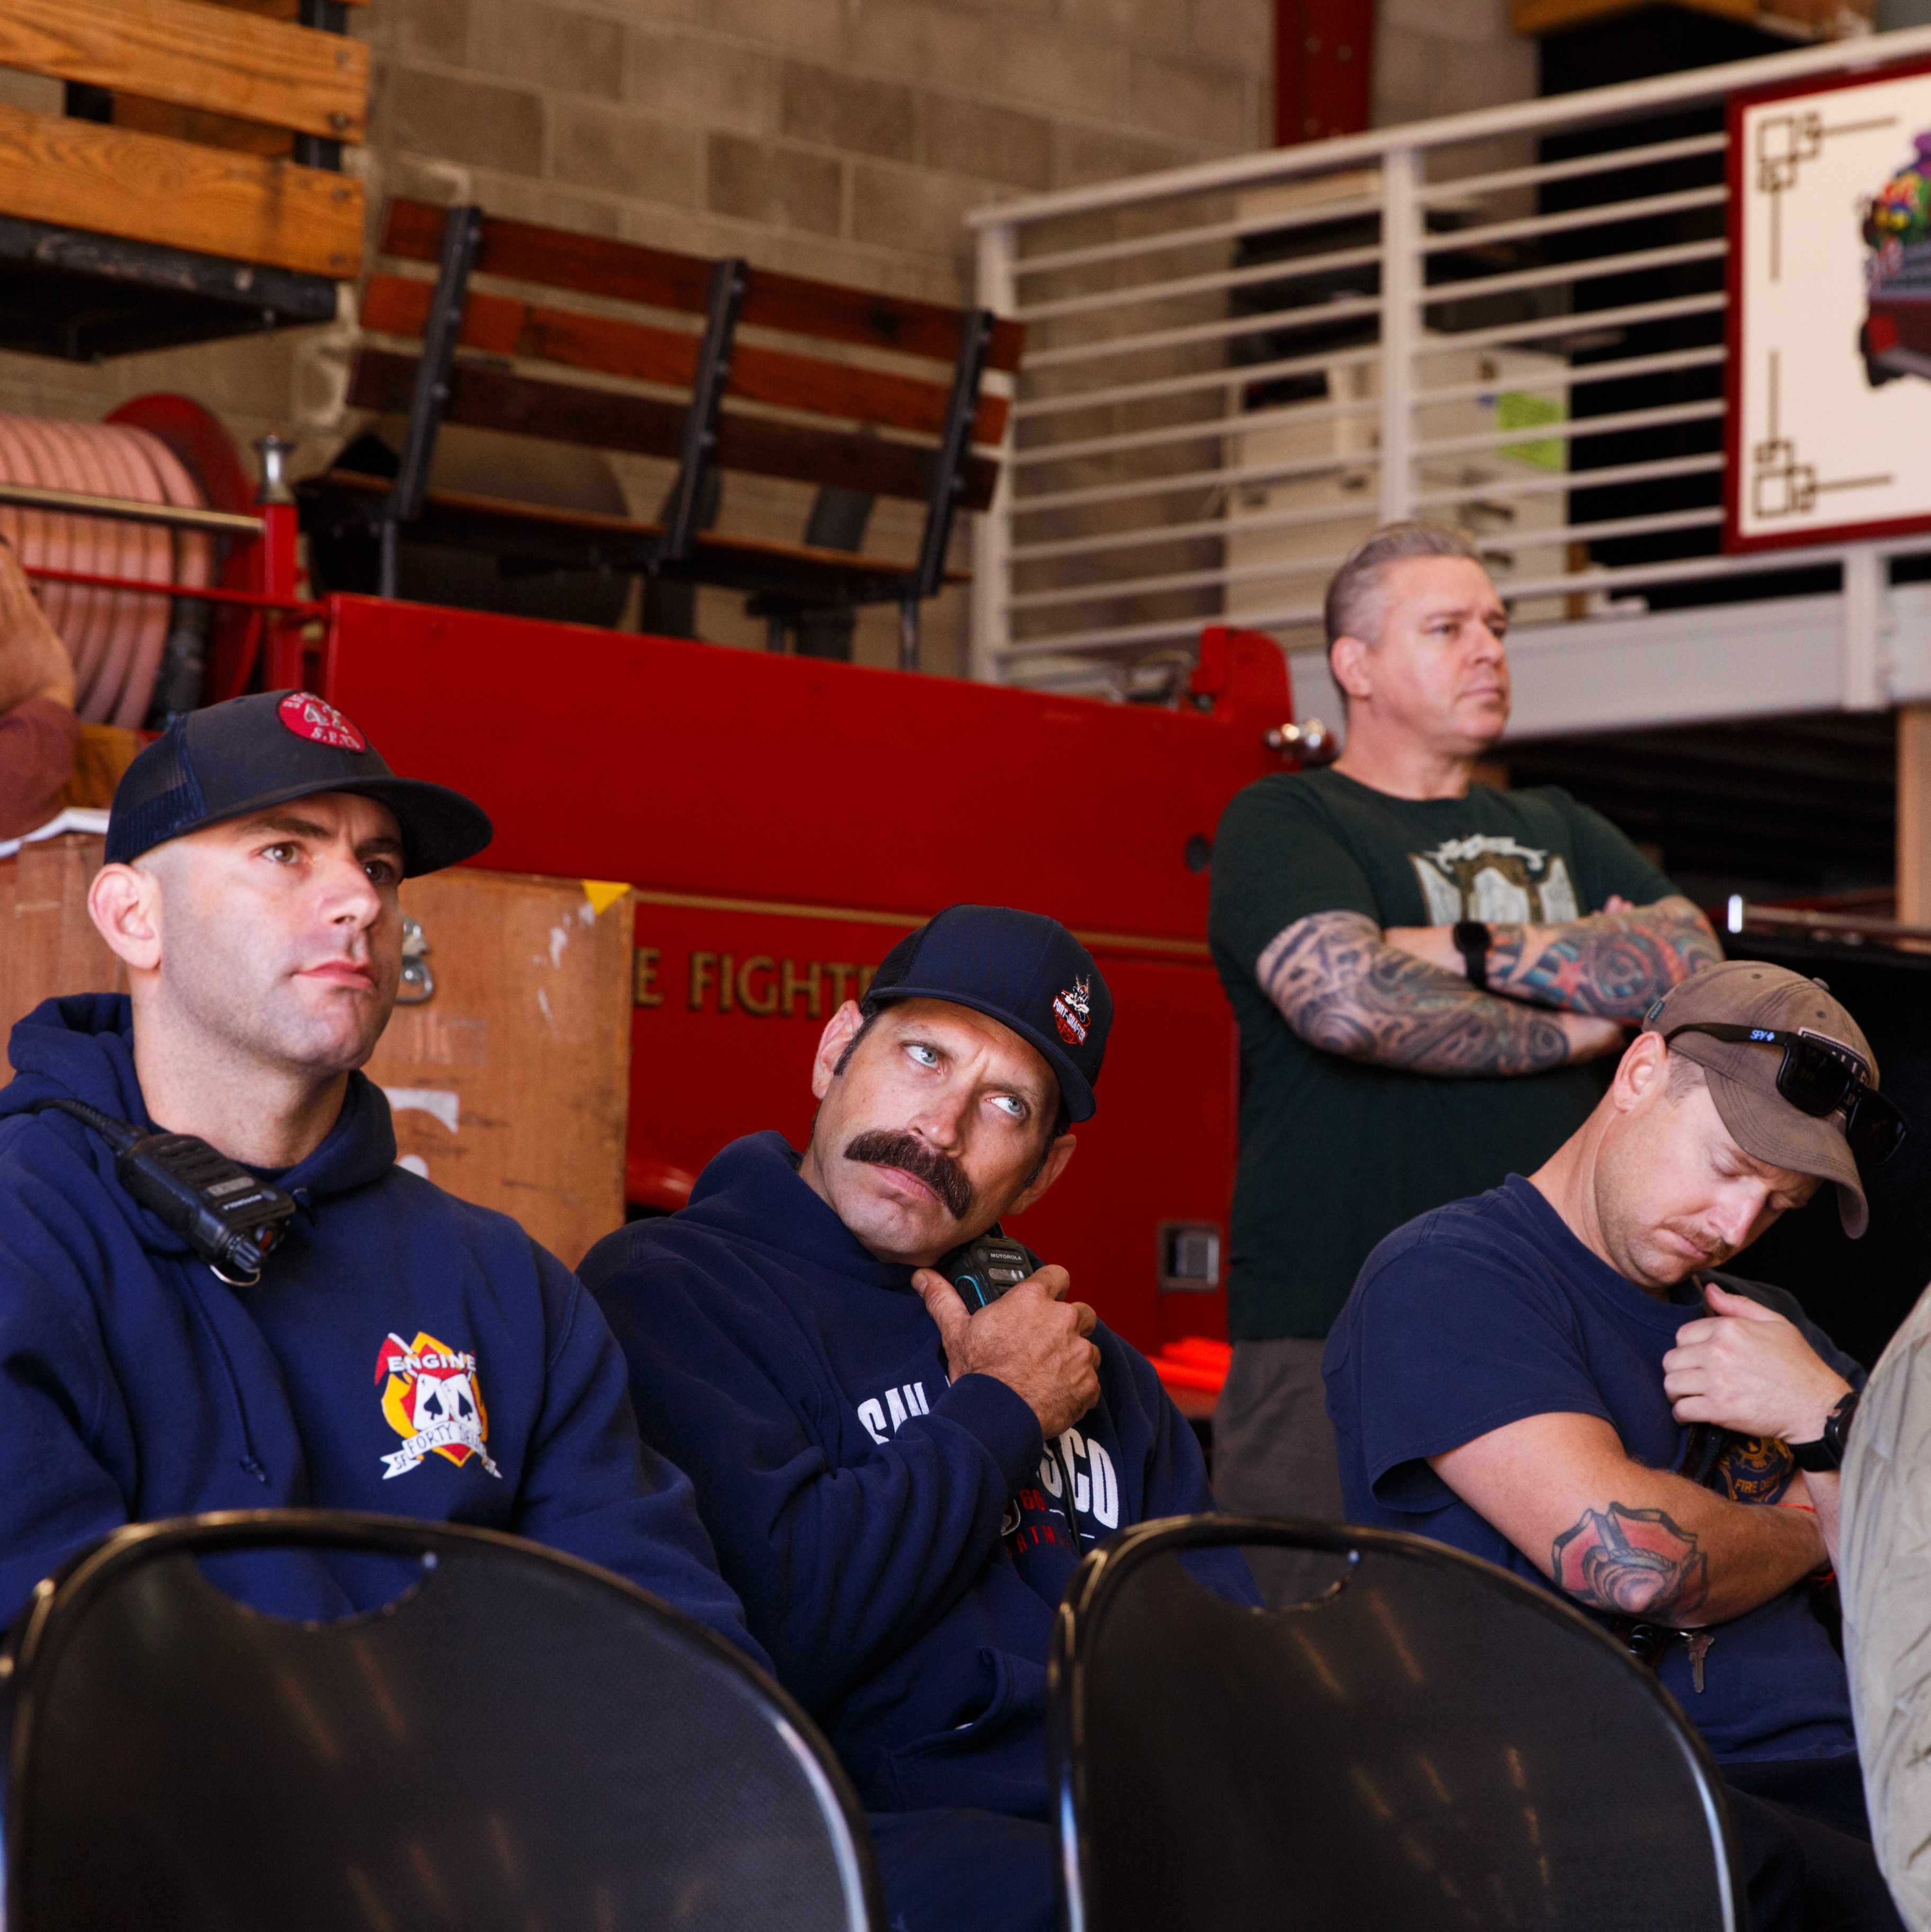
pixel 1817 1077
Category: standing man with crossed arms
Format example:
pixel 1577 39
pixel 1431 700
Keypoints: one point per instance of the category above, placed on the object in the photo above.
pixel 1422 967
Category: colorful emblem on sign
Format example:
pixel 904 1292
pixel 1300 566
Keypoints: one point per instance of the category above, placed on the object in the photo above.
pixel 430 1399
pixel 318 721
pixel 1073 1012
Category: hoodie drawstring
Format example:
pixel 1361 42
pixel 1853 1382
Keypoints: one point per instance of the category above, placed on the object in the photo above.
pixel 251 1463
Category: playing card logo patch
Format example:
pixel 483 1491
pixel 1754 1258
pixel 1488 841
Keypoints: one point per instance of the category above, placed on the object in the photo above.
pixel 1072 1013
pixel 318 721
pixel 432 1399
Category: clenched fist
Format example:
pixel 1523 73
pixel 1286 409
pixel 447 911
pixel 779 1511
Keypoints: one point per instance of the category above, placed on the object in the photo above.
pixel 1747 1368
pixel 1032 1339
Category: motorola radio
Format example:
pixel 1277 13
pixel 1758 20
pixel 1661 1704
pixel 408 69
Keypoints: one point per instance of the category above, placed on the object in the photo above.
pixel 231 1219
pixel 983 1269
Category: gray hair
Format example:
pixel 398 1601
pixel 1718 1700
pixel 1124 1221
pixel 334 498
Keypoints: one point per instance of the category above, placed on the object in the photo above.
pixel 1356 588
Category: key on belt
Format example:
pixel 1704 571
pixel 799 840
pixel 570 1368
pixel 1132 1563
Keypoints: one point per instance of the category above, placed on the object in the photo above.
pixel 1696 1644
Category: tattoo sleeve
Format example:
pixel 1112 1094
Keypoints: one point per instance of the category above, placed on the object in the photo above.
pixel 1633 1562
pixel 1342 988
pixel 1611 964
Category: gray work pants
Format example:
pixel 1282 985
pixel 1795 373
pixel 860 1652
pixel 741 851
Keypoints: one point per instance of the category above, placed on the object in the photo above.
pixel 1273 1454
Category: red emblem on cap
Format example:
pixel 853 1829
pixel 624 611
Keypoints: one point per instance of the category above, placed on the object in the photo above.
pixel 1072 1013
pixel 314 718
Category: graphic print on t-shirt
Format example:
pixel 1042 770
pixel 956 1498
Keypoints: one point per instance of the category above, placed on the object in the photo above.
pixel 1496 880
pixel 1754 1469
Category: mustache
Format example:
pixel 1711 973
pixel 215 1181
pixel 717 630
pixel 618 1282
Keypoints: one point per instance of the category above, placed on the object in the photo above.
pixel 1714 1247
pixel 879 1147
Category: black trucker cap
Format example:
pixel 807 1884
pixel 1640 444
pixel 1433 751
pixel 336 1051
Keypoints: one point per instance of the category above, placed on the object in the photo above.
pixel 1020 968
pixel 269 748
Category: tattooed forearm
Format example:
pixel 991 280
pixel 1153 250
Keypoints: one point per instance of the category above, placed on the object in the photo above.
pixel 1613 963
pixel 1343 989
pixel 1635 1562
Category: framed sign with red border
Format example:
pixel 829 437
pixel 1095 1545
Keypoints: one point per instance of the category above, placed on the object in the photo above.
pixel 1828 431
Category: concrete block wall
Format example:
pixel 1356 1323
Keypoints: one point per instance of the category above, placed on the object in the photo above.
pixel 844 139
pixel 1435 57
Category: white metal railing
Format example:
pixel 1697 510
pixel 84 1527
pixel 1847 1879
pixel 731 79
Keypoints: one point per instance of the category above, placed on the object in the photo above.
pixel 1234 371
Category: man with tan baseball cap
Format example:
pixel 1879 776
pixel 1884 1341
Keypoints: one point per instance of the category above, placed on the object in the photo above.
pixel 1553 1376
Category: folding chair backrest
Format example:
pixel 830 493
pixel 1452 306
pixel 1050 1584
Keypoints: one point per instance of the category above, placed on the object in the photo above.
pixel 1434 1743
pixel 519 1740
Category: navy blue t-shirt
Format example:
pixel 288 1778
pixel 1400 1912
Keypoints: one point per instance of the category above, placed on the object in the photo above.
pixel 1489 1310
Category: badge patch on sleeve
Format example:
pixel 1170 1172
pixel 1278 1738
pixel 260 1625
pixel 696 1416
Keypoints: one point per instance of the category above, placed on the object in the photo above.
pixel 431 1398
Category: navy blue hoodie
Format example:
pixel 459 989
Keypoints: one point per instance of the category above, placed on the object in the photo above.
pixel 404 1352
pixel 899 1543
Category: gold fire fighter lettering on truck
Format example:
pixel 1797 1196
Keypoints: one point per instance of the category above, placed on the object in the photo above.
pixel 432 1400
pixel 759 985
pixel 1497 880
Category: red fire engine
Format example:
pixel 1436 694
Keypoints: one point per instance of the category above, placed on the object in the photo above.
pixel 782 820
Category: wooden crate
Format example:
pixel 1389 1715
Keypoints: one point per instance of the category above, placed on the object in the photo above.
pixel 206 101
pixel 510 1086
pixel 48 944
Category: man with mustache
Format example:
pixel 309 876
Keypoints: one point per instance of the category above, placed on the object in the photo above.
pixel 898 1489
pixel 1551 1375
pixel 1422 966
pixel 400 1350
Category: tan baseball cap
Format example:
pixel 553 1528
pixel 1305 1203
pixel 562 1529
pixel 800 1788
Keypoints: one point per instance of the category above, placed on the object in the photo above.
pixel 1743 1075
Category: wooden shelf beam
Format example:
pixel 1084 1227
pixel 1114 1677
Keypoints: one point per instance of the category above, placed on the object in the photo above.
pixel 112 181
pixel 192 56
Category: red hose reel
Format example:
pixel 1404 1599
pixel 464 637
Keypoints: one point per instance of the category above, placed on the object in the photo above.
pixel 142 526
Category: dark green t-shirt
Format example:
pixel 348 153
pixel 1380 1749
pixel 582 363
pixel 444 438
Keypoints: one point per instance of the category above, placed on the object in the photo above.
pixel 1335 1153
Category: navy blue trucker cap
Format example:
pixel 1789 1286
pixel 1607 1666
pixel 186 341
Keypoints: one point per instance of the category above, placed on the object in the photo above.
pixel 1020 968
pixel 267 749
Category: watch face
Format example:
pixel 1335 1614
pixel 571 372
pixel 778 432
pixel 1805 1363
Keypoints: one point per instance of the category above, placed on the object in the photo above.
pixel 1839 1426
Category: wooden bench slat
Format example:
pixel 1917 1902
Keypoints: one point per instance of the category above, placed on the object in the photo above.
pixel 189 55
pixel 510 516
pixel 506 325
pixel 197 124
pixel 524 252
pixel 660 278
pixel 215 201
pixel 608 419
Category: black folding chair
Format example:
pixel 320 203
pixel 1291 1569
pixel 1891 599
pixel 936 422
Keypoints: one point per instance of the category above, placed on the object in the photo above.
pixel 518 1740
pixel 1430 1743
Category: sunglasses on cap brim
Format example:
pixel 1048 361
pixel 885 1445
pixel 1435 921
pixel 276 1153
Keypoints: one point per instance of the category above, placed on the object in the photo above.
pixel 1819 1078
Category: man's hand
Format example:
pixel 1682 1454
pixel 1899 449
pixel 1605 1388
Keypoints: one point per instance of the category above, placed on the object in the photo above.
pixel 1032 1339
pixel 1745 1368
pixel 1611 963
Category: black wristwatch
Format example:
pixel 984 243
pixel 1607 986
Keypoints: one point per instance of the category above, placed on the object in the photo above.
pixel 1827 1451
pixel 1472 939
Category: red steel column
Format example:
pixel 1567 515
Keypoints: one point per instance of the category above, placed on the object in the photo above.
pixel 1323 68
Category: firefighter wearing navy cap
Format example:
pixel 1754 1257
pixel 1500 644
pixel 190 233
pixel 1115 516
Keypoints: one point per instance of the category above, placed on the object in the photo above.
pixel 401 1350
pixel 898 1489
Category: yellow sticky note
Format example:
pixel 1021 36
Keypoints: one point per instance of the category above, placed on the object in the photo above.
pixel 604 893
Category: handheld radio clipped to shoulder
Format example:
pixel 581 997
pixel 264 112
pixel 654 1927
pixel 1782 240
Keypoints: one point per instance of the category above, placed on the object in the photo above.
pixel 983 1269
pixel 231 1219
